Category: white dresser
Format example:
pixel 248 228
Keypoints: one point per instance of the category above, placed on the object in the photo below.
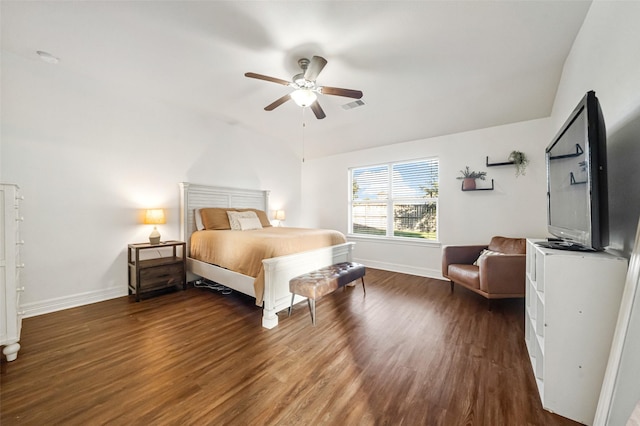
pixel 10 267
pixel 572 303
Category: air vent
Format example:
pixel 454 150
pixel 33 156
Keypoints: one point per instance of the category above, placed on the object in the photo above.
pixel 355 104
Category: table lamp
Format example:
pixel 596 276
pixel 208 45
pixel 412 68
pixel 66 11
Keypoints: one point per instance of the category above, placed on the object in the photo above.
pixel 154 217
pixel 280 216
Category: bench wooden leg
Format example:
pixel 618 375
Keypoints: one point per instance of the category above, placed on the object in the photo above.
pixel 312 309
pixel 353 284
pixel 291 306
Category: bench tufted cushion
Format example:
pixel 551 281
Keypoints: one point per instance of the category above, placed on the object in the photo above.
pixel 325 280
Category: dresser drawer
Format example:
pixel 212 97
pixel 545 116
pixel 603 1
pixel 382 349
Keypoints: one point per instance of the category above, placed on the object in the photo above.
pixel 161 276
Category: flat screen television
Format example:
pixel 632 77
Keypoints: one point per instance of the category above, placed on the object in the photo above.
pixel 576 159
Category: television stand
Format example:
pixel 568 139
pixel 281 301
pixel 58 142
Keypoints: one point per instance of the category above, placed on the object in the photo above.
pixel 571 308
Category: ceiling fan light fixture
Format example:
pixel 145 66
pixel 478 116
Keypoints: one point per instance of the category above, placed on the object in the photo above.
pixel 304 97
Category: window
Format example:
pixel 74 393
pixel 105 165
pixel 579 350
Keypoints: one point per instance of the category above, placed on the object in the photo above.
pixel 396 200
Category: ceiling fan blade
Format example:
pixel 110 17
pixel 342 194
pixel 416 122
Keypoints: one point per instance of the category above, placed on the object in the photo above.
pixel 315 67
pixel 277 103
pixel 317 110
pixel 336 91
pixel 267 78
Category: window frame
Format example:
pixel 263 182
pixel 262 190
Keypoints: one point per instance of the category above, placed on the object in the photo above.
pixel 391 201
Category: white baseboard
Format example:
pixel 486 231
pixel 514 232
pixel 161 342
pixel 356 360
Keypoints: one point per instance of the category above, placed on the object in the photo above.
pixel 66 302
pixel 403 269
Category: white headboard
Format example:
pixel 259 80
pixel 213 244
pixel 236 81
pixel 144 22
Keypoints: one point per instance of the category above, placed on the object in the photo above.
pixel 194 196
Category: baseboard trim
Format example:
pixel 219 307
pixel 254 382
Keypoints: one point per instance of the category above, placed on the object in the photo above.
pixel 80 299
pixel 403 269
pixel 66 302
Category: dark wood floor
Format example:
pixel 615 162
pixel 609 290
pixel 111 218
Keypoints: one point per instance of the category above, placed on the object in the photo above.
pixel 408 353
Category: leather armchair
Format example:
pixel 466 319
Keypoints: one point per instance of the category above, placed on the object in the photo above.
pixel 499 274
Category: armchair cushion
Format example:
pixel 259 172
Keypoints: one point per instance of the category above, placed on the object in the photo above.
pixel 508 245
pixel 469 275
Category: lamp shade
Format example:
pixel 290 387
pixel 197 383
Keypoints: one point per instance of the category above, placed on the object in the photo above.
pixel 280 215
pixel 303 97
pixel 154 217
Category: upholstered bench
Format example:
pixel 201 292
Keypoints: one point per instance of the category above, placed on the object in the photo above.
pixel 313 285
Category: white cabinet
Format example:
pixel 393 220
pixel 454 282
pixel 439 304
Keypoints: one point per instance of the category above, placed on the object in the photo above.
pixel 572 302
pixel 10 266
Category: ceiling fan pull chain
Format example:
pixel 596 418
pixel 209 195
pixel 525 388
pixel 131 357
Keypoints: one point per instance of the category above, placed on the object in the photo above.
pixel 304 124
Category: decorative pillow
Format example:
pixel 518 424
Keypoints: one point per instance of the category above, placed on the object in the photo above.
pixel 486 253
pixel 247 223
pixel 235 216
pixel 215 218
pixel 264 220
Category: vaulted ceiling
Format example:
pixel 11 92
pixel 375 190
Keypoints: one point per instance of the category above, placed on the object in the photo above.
pixel 426 68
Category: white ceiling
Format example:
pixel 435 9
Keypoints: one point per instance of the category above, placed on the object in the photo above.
pixel 426 68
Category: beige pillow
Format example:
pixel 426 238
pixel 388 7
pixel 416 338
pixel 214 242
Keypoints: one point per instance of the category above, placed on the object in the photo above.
pixel 234 218
pixel 248 223
pixel 215 218
pixel 264 220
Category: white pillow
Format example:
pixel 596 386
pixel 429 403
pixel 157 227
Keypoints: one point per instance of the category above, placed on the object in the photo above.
pixel 486 253
pixel 199 224
pixel 234 216
pixel 247 223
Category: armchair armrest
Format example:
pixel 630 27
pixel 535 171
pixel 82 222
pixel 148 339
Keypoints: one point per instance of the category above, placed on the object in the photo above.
pixel 503 274
pixel 459 255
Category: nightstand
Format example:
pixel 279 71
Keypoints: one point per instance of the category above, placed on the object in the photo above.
pixel 150 274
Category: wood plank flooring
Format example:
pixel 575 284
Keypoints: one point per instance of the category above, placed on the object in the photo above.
pixel 407 353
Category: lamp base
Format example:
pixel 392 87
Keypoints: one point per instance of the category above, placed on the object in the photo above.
pixel 154 237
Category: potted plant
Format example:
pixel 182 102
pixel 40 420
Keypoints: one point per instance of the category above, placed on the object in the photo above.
pixel 520 160
pixel 469 178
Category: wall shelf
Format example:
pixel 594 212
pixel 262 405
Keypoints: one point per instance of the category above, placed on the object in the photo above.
pixel 504 163
pixel 478 189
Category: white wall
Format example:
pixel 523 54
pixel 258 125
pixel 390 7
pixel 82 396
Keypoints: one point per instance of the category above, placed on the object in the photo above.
pixel 516 208
pixel 605 58
pixel 88 158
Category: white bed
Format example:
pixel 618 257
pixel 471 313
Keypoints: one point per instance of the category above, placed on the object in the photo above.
pixel 277 271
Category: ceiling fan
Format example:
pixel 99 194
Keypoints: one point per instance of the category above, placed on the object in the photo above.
pixel 306 88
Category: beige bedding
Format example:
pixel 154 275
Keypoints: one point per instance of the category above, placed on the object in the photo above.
pixel 243 251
